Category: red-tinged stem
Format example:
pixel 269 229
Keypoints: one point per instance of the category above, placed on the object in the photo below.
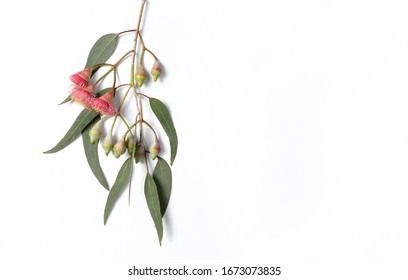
pixel 146 123
pixel 144 95
pixel 126 31
pixel 135 44
pixel 146 49
pixel 122 85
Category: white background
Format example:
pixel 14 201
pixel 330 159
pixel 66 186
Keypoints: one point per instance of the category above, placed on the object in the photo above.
pixel 292 122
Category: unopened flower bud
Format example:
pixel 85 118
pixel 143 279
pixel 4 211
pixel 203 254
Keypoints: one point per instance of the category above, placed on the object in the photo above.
pixel 95 132
pixel 155 148
pixel 107 144
pixel 140 76
pixel 119 148
pixel 140 152
pixel 156 70
pixel 82 77
pixel 130 143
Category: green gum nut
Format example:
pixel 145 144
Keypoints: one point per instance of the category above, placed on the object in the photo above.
pixel 140 152
pixel 119 148
pixel 156 70
pixel 140 76
pixel 155 149
pixel 95 132
pixel 107 144
pixel 130 143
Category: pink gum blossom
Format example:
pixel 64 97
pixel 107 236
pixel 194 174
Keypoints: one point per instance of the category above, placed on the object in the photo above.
pixel 82 77
pixel 82 96
pixel 104 104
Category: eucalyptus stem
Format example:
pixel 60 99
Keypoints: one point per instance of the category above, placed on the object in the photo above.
pixel 152 129
pixel 120 107
pixel 132 71
pixel 123 99
pixel 126 31
pixel 124 120
pixel 130 127
pixel 104 75
pixel 149 51
pixel 123 58
pixel 141 57
pixel 114 66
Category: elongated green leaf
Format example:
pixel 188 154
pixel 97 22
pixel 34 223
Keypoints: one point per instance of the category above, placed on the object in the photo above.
pixel 83 119
pixel 153 203
pixel 162 178
pixel 66 100
pixel 102 50
pixel 161 112
pixel 91 153
pixel 118 187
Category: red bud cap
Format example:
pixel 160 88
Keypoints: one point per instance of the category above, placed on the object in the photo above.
pixel 82 77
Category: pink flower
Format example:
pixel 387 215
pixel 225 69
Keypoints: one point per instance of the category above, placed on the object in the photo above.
pixel 104 104
pixel 83 96
pixel 82 77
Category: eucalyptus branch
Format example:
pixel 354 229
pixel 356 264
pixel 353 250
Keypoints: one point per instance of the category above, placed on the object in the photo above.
pixel 99 105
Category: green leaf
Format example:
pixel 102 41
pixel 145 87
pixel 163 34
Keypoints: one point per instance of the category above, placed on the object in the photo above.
pixel 66 100
pixel 161 112
pixel 102 50
pixel 118 187
pixel 162 177
pixel 83 119
pixel 91 152
pixel 153 203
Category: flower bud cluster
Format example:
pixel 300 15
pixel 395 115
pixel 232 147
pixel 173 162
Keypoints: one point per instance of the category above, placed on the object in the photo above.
pixel 83 93
pixel 140 76
pixel 127 142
